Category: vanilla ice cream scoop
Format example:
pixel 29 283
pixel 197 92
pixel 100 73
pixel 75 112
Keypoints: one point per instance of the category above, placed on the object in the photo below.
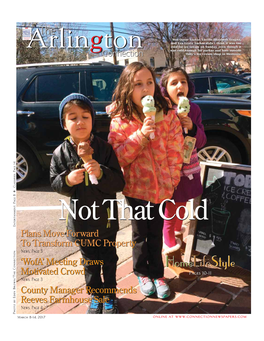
pixel 149 110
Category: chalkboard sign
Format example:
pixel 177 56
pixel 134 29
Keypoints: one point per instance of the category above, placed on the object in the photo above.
pixel 227 232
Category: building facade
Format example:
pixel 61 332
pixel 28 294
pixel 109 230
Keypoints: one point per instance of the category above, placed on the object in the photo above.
pixel 154 58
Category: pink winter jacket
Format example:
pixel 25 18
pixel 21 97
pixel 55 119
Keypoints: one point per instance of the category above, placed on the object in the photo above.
pixel 151 167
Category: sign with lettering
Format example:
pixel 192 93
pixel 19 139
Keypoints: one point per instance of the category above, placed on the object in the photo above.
pixel 227 232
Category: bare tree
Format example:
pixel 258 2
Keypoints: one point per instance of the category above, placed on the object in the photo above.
pixel 246 50
pixel 198 31
pixel 37 54
pixel 220 31
pixel 24 55
pixel 161 35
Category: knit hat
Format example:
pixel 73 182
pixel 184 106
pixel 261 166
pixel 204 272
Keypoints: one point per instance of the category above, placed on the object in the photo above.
pixel 72 97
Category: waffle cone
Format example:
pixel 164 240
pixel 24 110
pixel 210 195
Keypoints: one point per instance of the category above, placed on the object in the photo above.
pixel 150 113
pixel 183 114
pixel 87 158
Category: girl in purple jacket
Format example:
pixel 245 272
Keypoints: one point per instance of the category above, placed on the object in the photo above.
pixel 175 83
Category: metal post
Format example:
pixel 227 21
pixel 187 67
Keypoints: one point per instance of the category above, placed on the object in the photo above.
pixel 113 45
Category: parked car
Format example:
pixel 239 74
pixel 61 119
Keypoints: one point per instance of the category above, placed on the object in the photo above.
pixel 39 92
pixel 227 121
pixel 248 78
pixel 227 125
pixel 245 74
pixel 221 84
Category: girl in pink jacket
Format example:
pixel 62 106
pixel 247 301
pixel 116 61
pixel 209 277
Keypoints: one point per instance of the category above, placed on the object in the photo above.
pixel 151 167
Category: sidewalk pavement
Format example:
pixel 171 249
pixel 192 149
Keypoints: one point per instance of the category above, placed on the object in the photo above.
pixel 215 291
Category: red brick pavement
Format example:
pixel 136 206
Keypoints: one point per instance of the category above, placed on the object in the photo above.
pixel 215 291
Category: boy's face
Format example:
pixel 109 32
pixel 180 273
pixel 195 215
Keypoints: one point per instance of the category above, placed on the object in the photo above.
pixel 78 122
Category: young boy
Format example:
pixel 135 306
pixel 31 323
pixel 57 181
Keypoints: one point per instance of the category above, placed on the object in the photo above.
pixel 96 234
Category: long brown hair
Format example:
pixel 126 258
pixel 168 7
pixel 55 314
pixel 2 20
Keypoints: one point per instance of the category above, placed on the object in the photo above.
pixel 123 92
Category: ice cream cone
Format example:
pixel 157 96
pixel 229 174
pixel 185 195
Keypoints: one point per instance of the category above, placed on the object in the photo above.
pixel 86 158
pixel 149 110
pixel 183 109
pixel 151 114
pixel 85 152
pixel 183 114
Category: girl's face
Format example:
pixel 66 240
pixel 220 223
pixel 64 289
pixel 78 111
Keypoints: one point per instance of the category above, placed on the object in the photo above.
pixel 78 122
pixel 177 86
pixel 143 85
